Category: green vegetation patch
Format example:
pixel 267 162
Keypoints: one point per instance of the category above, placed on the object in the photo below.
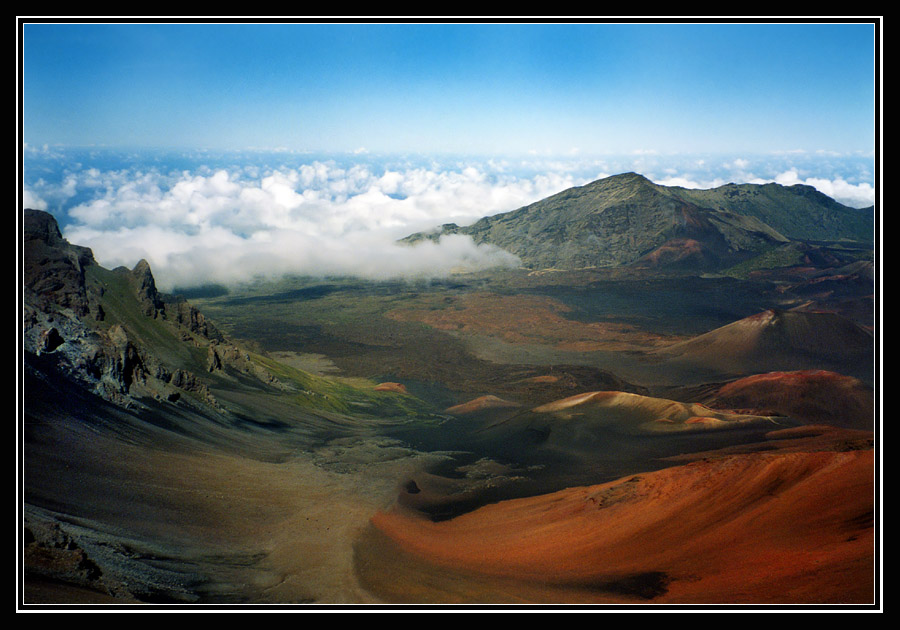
pixel 775 258
pixel 355 396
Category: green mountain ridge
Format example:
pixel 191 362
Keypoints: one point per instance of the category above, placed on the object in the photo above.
pixel 627 219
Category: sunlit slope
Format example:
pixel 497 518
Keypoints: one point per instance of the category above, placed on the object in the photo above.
pixel 579 421
pixel 604 434
pixel 762 529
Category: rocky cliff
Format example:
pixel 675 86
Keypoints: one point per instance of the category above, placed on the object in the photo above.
pixel 112 331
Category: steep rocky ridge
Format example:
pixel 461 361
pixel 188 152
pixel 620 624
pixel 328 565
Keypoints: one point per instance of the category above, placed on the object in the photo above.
pixel 54 270
pixel 112 330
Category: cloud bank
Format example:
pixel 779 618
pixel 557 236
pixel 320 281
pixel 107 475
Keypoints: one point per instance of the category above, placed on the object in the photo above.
pixel 230 226
pixel 857 195
pixel 203 220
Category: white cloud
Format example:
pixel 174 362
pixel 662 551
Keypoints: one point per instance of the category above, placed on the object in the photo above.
pixel 685 182
pixel 318 218
pixel 855 195
pixel 31 200
pixel 218 255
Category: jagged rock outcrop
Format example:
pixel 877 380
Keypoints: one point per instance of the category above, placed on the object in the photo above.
pixel 53 554
pixel 178 310
pixel 51 340
pixel 53 270
pixel 126 365
pixel 224 355
pixel 151 302
pixel 66 324
pixel 173 308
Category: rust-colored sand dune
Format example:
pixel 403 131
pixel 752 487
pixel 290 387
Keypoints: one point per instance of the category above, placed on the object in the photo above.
pixel 792 528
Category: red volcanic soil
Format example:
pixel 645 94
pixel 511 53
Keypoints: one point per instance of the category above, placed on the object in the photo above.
pixel 803 439
pixel 537 320
pixel 545 378
pixel 479 404
pixel 813 396
pixel 676 251
pixel 792 528
pixel 391 387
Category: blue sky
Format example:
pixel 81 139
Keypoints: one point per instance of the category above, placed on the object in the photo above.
pixel 488 89
pixel 225 152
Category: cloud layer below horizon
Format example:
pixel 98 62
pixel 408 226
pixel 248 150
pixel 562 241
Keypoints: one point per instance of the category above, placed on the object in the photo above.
pixel 235 222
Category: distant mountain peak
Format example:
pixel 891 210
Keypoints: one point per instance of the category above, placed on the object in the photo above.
pixel 627 219
pixel 629 176
pixel 629 179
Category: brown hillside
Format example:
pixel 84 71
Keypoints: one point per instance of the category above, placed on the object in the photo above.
pixel 813 396
pixel 747 529
pixel 776 340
